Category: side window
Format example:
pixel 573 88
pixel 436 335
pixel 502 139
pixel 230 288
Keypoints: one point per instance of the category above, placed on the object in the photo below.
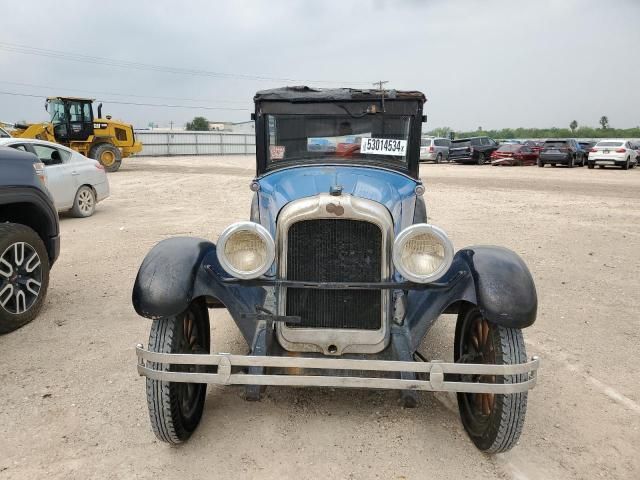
pixel 87 112
pixel 475 141
pixel 438 143
pixel 424 142
pixel 49 155
pixel 484 141
pixel 525 150
pixel 20 147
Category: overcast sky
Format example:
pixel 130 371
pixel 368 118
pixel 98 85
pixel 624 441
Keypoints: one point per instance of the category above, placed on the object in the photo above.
pixel 492 63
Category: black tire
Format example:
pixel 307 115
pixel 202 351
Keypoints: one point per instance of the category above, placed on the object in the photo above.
pixel 18 309
pixel 175 409
pixel 420 211
pixel 600 166
pixel 540 163
pixel 553 165
pixel 625 165
pixel 481 158
pixel 439 158
pixel 590 166
pixel 108 155
pixel 571 162
pixel 84 205
pixel 493 422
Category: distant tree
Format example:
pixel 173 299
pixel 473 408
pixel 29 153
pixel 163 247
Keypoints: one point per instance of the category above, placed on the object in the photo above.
pixel 479 129
pixel 573 125
pixel 440 132
pixel 199 124
pixel 604 122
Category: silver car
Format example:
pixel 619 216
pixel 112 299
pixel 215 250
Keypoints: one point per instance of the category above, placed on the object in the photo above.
pixel 434 149
pixel 76 183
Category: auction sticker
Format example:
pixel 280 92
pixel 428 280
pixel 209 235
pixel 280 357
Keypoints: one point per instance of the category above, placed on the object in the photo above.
pixel 383 146
pixel 276 152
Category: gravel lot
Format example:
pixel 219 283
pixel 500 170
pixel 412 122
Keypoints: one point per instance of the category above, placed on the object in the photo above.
pixel 72 405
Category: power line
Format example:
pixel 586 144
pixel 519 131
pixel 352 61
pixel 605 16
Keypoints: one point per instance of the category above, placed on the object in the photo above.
pixel 193 107
pixel 77 57
pixel 48 87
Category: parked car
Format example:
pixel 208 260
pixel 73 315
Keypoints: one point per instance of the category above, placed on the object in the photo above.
pixel 336 278
pixel 76 183
pixel 514 154
pixel 472 150
pixel 434 149
pixel 560 151
pixel 586 146
pixel 619 153
pixel 29 238
pixel 534 145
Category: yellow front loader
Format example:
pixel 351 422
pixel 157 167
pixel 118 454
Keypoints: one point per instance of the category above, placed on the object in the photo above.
pixel 72 124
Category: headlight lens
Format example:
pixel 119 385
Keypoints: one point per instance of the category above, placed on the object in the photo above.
pixel 246 250
pixel 422 253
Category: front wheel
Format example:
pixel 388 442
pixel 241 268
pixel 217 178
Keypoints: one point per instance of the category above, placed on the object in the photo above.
pixel 439 158
pixel 175 409
pixel 493 421
pixel 625 165
pixel 540 163
pixel 590 166
pixel 24 275
pixel 481 159
pixel 108 155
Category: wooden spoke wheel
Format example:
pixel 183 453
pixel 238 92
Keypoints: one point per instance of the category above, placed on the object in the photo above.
pixel 175 408
pixel 493 421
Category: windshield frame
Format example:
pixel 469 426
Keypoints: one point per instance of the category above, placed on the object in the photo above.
pixel 396 107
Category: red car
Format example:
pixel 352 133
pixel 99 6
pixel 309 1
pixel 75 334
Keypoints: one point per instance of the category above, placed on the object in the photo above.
pixel 514 155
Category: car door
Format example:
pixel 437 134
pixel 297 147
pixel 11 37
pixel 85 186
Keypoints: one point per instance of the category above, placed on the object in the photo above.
pixel 58 172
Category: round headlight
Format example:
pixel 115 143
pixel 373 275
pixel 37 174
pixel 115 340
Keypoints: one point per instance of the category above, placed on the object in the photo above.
pixel 245 250
pixel 422 253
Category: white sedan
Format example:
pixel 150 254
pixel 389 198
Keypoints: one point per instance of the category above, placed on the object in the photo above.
pixel 618 153
pixel 76 183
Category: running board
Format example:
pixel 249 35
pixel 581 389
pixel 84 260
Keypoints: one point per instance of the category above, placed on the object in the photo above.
pixel 435 369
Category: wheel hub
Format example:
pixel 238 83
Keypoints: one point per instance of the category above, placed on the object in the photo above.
pixel 20 278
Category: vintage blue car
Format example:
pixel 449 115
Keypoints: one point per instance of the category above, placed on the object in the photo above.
pixel 337 277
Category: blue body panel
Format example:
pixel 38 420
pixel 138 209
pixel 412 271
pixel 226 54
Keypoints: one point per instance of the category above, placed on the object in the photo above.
pixel 392 189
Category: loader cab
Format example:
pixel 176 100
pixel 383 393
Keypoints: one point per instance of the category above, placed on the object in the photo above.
pixel 72 118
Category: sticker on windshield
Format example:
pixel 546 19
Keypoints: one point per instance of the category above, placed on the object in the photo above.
pixel 276 152
pixel 383 146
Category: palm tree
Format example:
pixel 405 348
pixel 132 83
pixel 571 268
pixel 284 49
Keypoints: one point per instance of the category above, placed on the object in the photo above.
pixel 604 121
pixel 573 125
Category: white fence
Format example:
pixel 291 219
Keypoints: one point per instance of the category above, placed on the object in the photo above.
pixel 161 144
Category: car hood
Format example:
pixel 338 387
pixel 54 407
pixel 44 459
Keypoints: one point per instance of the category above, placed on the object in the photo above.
pixel 393 190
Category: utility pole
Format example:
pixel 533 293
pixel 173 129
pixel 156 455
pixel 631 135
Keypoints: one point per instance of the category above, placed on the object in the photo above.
pixel 171 125
pixel 380 83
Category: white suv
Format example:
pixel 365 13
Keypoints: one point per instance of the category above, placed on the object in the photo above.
pixel 434 149
pixel 618 153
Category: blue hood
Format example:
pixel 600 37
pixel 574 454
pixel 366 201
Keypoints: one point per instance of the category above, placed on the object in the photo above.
pixel 394 190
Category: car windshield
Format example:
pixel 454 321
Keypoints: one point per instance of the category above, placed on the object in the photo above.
pixel 460 143
pixel 342 138
pixel 509 147
pixel 610 144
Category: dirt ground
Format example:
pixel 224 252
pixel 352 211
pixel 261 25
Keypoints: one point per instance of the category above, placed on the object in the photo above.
pixel 73 407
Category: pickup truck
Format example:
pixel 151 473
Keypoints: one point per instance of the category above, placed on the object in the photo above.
pixel 476 150
pixel 29 238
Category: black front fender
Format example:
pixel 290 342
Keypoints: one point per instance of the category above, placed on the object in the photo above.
pixel 504 287
pixel 495 279
pixel 173 274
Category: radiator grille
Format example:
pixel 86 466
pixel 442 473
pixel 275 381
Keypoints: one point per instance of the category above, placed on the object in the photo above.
pixel 335 250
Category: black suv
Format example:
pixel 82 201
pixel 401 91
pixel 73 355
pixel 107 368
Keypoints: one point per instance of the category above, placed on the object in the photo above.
pixel 29 238
pixel 562 151
pixel 472 150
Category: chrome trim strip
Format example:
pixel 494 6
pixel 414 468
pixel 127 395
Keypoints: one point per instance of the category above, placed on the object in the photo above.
pixel 320 339
pixel 435 369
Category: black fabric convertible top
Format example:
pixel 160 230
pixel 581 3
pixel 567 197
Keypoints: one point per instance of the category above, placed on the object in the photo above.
pixel 308 94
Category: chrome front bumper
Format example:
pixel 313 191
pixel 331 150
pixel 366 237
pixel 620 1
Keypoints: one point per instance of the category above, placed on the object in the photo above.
pixel 435 370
